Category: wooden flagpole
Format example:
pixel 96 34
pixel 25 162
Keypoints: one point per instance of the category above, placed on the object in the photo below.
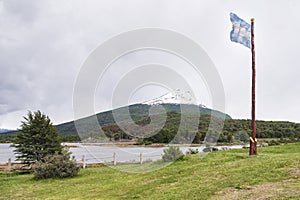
pixel 253 140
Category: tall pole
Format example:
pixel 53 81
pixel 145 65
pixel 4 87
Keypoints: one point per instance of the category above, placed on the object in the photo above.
pixel 253 140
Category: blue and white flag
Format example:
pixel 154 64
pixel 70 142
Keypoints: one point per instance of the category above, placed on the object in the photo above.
pixel 241 31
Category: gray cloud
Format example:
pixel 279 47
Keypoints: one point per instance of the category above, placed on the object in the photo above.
pixel 44 43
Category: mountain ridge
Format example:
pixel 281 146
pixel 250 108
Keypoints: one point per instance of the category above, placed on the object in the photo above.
pixel 138 112
pixel 233 129
pixel 4 130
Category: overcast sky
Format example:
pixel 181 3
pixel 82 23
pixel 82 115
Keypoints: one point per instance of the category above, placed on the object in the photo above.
pixel 44 43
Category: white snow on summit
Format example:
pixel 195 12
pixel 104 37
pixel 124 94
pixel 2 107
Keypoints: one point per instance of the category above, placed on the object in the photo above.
pixel 176 97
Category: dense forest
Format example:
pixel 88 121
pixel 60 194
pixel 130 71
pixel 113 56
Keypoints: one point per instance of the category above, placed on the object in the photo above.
pixel 234 130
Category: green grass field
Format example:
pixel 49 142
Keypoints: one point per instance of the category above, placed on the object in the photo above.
pixel 231 174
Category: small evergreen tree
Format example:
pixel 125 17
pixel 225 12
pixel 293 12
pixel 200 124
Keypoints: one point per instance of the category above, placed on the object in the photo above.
pixel 171 154
pixel 37 138
pixel 56 166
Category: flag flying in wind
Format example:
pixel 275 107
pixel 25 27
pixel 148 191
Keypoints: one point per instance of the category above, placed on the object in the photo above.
pixel 241 31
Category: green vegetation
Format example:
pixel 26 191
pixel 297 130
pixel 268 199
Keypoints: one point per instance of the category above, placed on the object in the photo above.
pixel 140 115
pixel 7 137
pixel 37 138
pixel 234 131
pixel 265 129
pixel 171 154
pixel 56 166
pixel 228 174
pixel 192 151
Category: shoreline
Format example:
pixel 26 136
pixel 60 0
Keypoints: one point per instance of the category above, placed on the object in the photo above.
pixel 77 145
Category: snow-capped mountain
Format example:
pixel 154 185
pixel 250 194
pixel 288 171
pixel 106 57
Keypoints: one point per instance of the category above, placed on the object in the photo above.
pixel 176 97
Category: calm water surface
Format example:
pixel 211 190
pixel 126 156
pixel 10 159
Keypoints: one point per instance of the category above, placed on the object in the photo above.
pixel 99 154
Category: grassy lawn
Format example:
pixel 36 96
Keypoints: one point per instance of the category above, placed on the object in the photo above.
pixel 231 174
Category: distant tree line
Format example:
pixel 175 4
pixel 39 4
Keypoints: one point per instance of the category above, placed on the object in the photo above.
pixel 234 130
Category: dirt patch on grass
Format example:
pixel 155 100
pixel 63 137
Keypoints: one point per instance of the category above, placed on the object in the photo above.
pixel 285 189
pixel 279 190
pixel 295 172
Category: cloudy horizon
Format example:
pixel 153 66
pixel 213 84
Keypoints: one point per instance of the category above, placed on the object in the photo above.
pixel 43 45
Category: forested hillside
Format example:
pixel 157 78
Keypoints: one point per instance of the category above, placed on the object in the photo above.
pixel 234 130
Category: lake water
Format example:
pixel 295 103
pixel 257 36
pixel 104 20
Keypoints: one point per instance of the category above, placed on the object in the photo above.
pixel 104 154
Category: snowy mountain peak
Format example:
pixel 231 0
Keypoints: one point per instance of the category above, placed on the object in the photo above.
pixel 176 97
